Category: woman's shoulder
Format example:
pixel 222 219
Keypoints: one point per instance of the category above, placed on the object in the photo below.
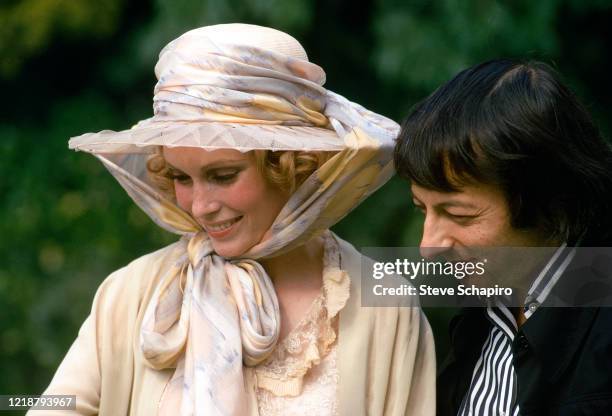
pixel 158 259
pixel 132 282
pixel 350 257
pixel 359 268
pixel 353 260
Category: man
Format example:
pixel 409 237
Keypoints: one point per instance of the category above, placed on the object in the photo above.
pixel 504 155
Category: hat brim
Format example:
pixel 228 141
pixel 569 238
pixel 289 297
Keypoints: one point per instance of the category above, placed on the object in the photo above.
pixel 208 135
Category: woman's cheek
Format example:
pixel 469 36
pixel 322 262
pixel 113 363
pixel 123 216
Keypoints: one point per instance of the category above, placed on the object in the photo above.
pixel 245 195
pixel 183 196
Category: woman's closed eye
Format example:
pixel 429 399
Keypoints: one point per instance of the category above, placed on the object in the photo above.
pixel 178 176
pixel 217 176
pixel 223 176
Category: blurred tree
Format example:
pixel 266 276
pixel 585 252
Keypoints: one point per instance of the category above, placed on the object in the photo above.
pixel 443 37
pixel 68 67
pixel 28 26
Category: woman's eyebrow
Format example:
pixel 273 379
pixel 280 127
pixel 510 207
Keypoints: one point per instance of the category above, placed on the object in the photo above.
pixel 222 163
pixel 214 165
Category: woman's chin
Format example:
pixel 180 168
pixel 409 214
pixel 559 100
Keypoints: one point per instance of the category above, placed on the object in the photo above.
pixel 229 249
pixel 225 251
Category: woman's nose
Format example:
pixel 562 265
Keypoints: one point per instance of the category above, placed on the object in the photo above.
pixel 204 202
pixel 436 238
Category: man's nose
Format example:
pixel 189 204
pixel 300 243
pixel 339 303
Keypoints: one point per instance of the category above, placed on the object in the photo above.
pixel 436 238
pixel 204 202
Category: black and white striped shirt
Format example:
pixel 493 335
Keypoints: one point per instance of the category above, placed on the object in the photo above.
pixel 493 388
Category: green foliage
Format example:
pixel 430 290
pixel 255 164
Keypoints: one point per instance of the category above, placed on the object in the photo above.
pixel 58 237
pixel 441 38
pixel 29 26
pixel 73 66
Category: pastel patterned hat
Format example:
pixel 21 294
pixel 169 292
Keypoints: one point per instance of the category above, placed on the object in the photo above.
pixel 238 86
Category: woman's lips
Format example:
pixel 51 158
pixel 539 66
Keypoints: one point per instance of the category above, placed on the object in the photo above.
pixel 222 229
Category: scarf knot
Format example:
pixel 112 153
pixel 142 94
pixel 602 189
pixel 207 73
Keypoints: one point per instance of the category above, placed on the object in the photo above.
pixel 198 247
pixel 209 317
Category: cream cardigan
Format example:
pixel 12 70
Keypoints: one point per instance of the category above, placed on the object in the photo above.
pixel 386 357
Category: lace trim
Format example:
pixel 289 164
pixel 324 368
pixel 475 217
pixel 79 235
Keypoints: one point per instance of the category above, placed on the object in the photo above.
pixel 319 396
pixel 282 374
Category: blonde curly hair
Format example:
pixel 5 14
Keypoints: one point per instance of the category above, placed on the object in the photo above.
pixel 284 169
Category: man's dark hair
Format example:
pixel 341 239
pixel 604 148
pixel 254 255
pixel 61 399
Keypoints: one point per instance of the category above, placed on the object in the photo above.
pixel 514 125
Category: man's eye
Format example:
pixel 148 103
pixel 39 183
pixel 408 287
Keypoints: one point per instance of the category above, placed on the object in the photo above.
pixel 460 218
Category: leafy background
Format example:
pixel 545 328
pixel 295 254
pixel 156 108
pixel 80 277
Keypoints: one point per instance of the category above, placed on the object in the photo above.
pixel 74 66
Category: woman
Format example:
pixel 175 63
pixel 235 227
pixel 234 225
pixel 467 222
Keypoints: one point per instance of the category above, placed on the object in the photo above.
pixel 255 310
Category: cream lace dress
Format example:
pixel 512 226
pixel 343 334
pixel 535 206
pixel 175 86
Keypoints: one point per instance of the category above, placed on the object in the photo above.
pixel 301 375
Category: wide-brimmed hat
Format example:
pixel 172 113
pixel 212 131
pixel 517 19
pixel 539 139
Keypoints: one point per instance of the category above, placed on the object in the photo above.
pixel 235 86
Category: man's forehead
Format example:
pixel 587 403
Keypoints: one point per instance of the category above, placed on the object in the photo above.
pixel 470 196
